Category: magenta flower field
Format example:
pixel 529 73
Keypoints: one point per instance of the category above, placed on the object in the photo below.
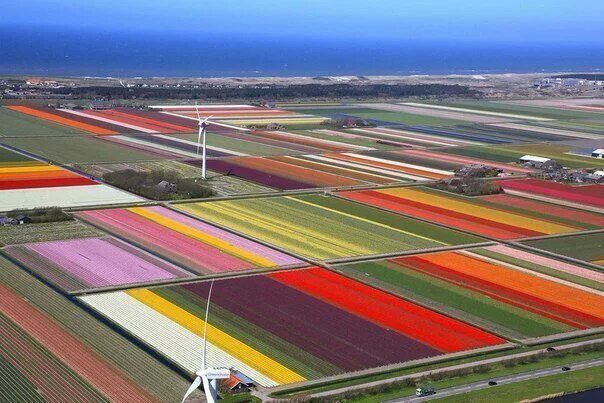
pixel 80 264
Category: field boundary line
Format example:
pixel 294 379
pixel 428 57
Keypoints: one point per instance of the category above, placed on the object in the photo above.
pixel 381 256
pixel 554 255
pixel 192 280
pixel 560 235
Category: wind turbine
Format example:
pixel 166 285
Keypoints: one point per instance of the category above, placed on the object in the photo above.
pixel 208 376
pixel 203 124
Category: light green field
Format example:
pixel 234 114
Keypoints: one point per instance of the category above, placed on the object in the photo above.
pixel 15 124
pixel 70 150
pixel 238 145
pixel 386 116
pixel 527 110
pixel 588 247
pixel 326 227
pixel 512 152
pixel 8 157
pixel 356 141
pixel 582 125
pixel 19 234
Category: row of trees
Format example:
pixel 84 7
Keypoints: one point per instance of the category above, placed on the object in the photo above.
pixel 275 92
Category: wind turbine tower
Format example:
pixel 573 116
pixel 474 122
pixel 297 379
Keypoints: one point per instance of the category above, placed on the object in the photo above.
pixel 203 124
pixel 208 376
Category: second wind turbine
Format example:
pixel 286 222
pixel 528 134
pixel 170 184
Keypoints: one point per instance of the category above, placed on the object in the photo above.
pixel 203 124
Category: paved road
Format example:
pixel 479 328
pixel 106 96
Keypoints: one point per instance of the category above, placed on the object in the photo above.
pixel 504 380
pixel 333 392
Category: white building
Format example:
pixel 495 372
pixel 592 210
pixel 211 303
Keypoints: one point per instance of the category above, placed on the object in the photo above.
pixel 533 159
pixel 599 153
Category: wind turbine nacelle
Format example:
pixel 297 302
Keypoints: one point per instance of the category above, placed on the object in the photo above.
pixel 218 373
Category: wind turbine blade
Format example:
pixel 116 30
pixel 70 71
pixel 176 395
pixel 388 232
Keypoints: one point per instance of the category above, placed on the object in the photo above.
pixel 192 388
pixel 206 119
pixel 210 393
pixel 197 110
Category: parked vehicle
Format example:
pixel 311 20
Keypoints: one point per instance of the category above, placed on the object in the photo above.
pixel 425 391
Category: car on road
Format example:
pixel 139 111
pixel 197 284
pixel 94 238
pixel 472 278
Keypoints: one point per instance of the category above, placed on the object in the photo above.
pixel 492 383
pixel 550 349
pixel 565 368
pixel 425 391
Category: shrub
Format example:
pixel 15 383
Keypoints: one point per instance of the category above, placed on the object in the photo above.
pixel 42 215
pixel 146 184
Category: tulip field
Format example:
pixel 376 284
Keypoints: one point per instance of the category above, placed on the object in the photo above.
pixel 342 242
pixel 588 197
pixel 508 291
pixel 325 227
pixel 201 247
pixel 241 115
pixel 498 216
pixel 108 122
pixel 18 171
pixel 52 350
pixel 290 326
pixel 325 170
pixel 88 263
pixel 29 183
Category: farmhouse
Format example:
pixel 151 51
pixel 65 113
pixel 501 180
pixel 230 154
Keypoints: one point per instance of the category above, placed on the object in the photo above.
pixel 23 219
pixel 538 162
pixel 598 153
pixel 238 382
pixel 532 158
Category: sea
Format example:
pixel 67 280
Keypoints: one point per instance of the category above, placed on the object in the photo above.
pixel 81 53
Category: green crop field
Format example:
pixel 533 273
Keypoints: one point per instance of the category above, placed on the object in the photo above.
pixel 386 116
pixel 583 125
pixel 354 141
pixel 588 247
pixel 326 227
pixel 18 234
pixel 557 152
pixel 497 154
pixel 237 145
pixel 454 300
pixel 15 124
pixel 516 109
pixel 9 157
pixel 512 152
pixel 70 150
